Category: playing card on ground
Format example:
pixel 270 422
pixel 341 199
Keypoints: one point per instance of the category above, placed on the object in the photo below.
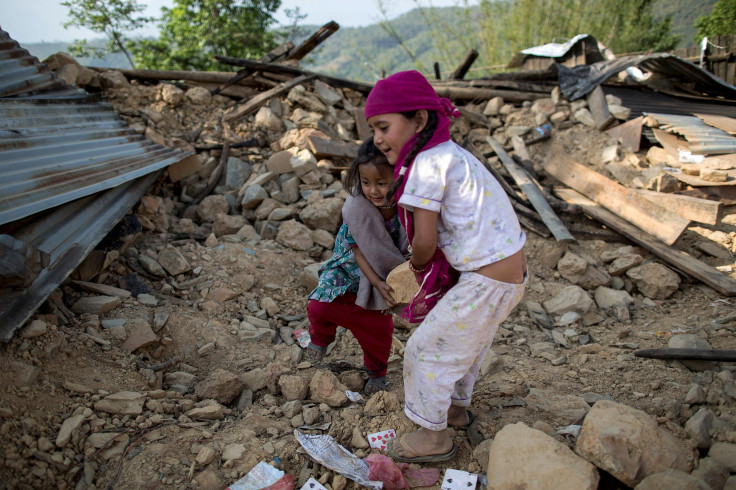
pixel 378 440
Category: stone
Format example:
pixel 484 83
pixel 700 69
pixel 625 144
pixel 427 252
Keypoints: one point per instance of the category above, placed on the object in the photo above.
pixel 623 263
pixel 181 378
pixel 35 328
pixel 571 298
pixel 699 428
pixel 493 106
pixel 173 261
pixel 292 408
pixel 568 409
pixel 233 451
pixel 628 443
pixel 654 280
pixel 571 265
pixel 228 224
pixel 65 432
pixel 326 94
pixel 294 235
pixel 238 172
pixel 607 298
pixel 198 95
pixel 610 154
pixel 584 116
pixel 303 162
pixel 95 305
pixel 215 411
pixel 253 196
pixel 151 265
pixel 140 335
pixel 294 387
pixel 211 206
pixel 271 307
pixel 309 277
pixel 111 444
pixel 404 283
pixel 290 190
pixel 280 162
pixel 695 395
pixel 324 214
pixel 324 387
pixel 205 455
pixel 248 233
pixel 522 457
pixel 711 472
pixel 281 214
pixel 254 379
pixel 113 79
pixel 724 453
pixel 122 403
pixel 619 112
pixel 222 386
pixel 672 480
pixel 170 94
pixel 266 119
pixel 147 299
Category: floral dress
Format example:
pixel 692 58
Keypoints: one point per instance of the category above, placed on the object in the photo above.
pixel 341 273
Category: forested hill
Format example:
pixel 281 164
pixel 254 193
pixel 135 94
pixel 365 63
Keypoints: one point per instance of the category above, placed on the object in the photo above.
pixel 362 53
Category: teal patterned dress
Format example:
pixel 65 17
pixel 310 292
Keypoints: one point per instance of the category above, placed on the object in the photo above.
pixel 341 273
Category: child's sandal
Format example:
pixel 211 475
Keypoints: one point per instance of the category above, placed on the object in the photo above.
pixel 315 352
pixel 374 385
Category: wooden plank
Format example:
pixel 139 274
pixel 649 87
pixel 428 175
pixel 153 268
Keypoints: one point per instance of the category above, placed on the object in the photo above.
pixel 464 66
pixel 103 289
pixel 313 41
pixel 692 208
pixel 361 125
pixel 599 108
pixel 462 93
pixel 260 99
pixel 671 142
pixel 533 193
pixel 184 168
pixel 682 261
pixel 727 124
pixel 629 133
pixel 326 148
pixel 618 199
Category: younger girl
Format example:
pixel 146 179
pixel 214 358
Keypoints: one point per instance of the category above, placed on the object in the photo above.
pixel 352 290
pixel 458 218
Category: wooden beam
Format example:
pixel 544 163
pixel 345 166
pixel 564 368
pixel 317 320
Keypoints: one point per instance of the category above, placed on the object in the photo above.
pixel 195 76
pixel 682 261
pixel 533 193
pixel 437 74
pixel 361 125
pixel 326 148
pixel 273 55
pixel 465 93
pixel 618 199
pixel 313 41
pixel 461 70
pixel 692 208
pixel 629 133
pixel 361 87
pixel 260 99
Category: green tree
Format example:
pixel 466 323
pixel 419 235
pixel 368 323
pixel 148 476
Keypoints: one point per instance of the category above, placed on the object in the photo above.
pixel 720 22
pixel 113 18
pixel 193 31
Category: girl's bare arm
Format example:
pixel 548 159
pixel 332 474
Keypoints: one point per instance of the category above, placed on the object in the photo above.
pixel 424 243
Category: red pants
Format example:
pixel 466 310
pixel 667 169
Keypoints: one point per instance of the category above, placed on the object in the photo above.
pixel 372 329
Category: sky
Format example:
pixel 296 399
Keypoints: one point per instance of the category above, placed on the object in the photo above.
pixel 42 20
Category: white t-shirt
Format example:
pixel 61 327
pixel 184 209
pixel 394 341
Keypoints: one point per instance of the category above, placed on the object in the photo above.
pixel 477 225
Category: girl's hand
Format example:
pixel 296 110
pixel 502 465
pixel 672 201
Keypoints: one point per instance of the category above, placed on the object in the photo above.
pixel 386 291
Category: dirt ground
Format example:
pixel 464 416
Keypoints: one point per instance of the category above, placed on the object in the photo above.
pixel 164 455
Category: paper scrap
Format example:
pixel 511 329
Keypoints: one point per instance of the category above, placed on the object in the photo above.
pixel 327 452
pixel 354 396
pixel 459 480
pixel 262 475
pixel 302 336
pixel 378 440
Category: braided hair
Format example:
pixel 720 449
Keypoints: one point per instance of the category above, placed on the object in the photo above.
pixel 422 139
pixel 368 153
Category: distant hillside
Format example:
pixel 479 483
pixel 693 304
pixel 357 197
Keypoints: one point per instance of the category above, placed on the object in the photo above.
pixel 362 53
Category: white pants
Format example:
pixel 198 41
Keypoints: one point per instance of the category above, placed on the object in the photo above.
pixel 444 354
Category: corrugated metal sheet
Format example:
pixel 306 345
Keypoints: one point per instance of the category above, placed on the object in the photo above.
pixel 53 152
pixel 22 73
pixel 67 234
pixel 70 168
pixel 703 139
pixel 641 100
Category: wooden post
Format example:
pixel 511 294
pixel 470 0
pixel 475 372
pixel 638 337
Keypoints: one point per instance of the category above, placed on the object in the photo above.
pixel 461 70
pixel 437 74
pixel 260 99
pixel 314 40
pixel 533 193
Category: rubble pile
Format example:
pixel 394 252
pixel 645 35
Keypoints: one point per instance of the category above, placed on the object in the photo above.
pixel 171 356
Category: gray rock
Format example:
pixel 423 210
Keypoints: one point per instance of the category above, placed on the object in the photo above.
pixel 238 172
pixel 294 387
pixel 654 280
pixel 623 263
pixel 281 214
pixel 607 298
pixel 198 95
pixel 173 261
pixel 310 276
pixel 700 426
pixel 95 305
pixel 266 119
pixel 35 328
pixel 181 378
pixel 711 472
pixel 227 224
pixel 122 403
pixel 215 411
pixel 292 408
pixel 151 266
pixel 289 191
pixel 324 214
pixel 724 453
pixel 695 395
pixel 253 196
pixel 493 106
pixel 222 386
pixel 326 93
pixel 691 341
pixel 211 206
pixel 65 432
pixel 584 116
pixel 294 235
pixel 324 387
pixel 521 457
pixel 628 443
pixel 571 298
pixel 672 480
pixel 567 409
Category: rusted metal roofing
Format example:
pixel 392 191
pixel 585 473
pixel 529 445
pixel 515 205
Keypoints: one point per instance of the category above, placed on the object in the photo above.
pixel 70 168
pixel 703 139
pixel 55 151
pixel 22 73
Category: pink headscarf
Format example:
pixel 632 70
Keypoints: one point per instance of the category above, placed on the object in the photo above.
pixel 410 91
